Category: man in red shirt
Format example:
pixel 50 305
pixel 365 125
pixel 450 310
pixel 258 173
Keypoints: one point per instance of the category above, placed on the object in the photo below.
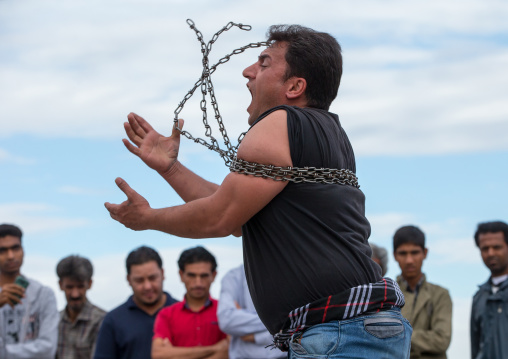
pixel 190 329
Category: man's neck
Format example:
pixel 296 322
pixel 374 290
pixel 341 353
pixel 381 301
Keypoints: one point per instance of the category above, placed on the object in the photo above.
pixel 413 282
pixel 8 278
pixel 195 304
pixel 151 309
pixel 72 314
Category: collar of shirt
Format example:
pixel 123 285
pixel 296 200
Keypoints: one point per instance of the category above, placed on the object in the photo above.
pixel 186 306
pixel 498 280
pixel 84 315
pixel 418 285
pixel 131 305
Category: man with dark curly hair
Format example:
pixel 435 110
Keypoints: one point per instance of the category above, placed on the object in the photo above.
pixel 307 258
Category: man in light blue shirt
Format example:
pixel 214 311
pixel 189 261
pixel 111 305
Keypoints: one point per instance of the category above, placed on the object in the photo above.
pixel 238 318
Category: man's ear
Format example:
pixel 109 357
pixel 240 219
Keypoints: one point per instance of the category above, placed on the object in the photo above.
pixel 60 284
pixel 296 88
pixel 89 284
pixel 425 251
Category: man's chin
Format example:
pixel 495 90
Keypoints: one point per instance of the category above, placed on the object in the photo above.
pixel 150 302
pixel 76 307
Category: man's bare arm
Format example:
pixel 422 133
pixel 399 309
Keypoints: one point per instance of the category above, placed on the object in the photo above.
pixel 234 202
pixel 163 349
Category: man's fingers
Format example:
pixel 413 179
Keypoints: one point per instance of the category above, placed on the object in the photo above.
pixel 133 136
pixel 140 122
pixel 133 149
pixel 129 192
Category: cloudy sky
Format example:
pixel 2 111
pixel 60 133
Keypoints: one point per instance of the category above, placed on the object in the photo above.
pixel 421 99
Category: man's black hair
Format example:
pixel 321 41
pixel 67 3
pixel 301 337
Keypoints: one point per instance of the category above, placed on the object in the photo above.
pixel 408 234
pixel 491 227
pixel 142 255
pixel 314 56
pixel 76 268
pixel 10 230
pixel 196 255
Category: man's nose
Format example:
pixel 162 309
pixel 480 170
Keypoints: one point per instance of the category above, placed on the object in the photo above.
pixel 249 72
pixel 147 285
pixel 10 254
pixel 75 293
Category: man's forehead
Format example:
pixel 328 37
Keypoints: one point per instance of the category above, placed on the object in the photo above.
pixel 68 281
pixel 9 241
pixel 275 48
pixel 409 247
pixel 491 237
pixel 148 268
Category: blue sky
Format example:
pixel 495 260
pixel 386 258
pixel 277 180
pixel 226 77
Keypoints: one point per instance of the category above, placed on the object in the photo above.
pixel 423 99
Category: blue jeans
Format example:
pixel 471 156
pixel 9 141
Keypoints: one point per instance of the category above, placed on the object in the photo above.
pixel 384 334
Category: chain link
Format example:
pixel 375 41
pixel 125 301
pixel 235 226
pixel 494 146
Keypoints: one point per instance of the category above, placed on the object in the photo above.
pixel 292 174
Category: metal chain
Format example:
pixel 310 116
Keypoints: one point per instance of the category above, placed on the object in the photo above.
pixel 292 174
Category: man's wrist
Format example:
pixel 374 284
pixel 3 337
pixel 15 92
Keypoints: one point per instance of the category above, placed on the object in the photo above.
pixel 167 174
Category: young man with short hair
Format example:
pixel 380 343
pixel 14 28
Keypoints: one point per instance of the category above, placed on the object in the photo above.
pixel 28 317
pixel 126 332
pixel 305 243
pixel 190 329
pixel 80 320
pixel 428 306
pixel 489 319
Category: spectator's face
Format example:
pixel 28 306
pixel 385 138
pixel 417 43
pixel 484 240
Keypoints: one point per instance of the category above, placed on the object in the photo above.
pixel 494 251
pixel 11 255
pixel 197 278
pixel 75 292
pixel 146 283
pixel 266 80
pixel 410 257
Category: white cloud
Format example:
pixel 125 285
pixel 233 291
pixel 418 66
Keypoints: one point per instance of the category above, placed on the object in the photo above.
pixel 454 251
pixel 385 224
pixel 397 97
pixel 37 217
pixel 7 157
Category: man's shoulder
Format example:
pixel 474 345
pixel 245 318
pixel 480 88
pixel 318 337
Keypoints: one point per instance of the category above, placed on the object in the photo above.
pixel 38 292
pixel 121 311
pixel 97 311
pixel 168 312
pixel 435 290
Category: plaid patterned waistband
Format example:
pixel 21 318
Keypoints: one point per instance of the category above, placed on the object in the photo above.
pixel 382 295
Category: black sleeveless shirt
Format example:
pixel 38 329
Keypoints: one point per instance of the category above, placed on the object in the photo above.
pixel 310 241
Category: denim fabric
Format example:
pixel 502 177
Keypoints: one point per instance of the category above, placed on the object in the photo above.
pixel 381 335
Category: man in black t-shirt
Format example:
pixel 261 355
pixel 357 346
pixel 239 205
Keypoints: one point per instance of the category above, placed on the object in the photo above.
pixel 306 252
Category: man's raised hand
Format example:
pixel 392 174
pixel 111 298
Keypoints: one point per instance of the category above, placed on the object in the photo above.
pixel 133 212
pixel 158 152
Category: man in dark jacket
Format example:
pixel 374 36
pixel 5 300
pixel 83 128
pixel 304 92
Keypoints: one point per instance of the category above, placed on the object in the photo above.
pixel 489 315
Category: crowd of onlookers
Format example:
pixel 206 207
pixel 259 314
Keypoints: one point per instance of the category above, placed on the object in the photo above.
pixel 152 324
